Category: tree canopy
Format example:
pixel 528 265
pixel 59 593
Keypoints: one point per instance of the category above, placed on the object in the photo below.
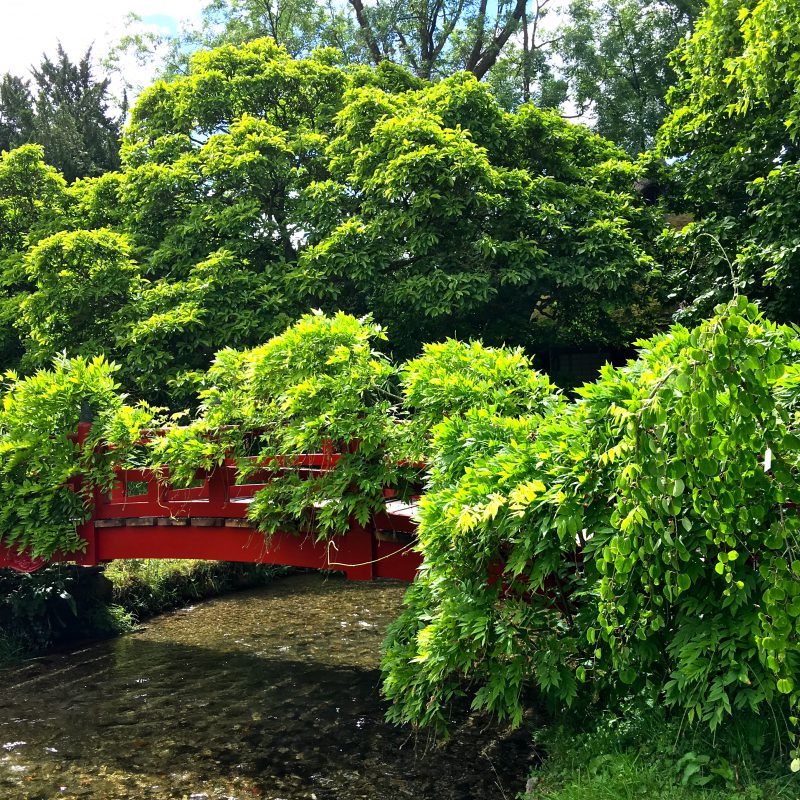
pixel 67 111
pixel 616 61
pixel 432 38
pixel 733 131
pixel 606 61
pixel 258 186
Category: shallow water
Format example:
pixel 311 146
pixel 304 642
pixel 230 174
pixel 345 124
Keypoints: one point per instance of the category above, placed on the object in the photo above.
pixel 271 693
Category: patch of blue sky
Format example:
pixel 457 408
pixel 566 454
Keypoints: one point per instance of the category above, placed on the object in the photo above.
pixel 164 22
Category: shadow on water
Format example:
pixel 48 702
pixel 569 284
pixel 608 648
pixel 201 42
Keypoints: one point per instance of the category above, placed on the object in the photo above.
pixel 272 693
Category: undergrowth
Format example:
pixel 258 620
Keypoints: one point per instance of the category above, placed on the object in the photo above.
pixel 642 754
pixel 146 587
pixel 61 604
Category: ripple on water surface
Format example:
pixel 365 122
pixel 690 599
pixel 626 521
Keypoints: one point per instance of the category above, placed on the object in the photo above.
pixel 272 693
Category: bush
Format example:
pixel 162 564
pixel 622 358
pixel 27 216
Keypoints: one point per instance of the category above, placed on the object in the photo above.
pixel 636 540
pixel 41 502
pixel 641 754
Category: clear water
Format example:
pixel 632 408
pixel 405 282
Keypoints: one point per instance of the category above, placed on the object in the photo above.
pixel 271 693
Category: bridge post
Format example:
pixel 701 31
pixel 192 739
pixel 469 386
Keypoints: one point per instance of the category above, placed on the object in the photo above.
pixel 218 491
pixel 86 530
pixel 357 553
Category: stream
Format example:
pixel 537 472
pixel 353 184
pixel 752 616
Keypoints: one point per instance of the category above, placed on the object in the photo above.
pixel 270 693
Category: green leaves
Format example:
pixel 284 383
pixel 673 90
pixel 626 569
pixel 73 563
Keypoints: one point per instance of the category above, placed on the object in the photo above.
pixel 82 280
pixel 39 508
pixel 255 186
pixel 732 133
pixel 320 386
pixel 684 582
pixel 452 377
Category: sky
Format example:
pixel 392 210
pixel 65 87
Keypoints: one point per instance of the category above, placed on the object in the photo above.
pixel 30 27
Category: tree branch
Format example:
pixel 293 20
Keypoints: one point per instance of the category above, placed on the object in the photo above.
pixel 366 29
pixel 488 57
pixel 477 45
pixel 447 29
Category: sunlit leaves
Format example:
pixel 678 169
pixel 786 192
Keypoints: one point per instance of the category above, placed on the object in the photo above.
pixel 686 582
pixel 733 135
pixel 41 505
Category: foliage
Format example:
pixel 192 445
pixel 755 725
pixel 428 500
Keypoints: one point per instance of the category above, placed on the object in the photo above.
pixel 67 113
pixel 35 607
pixel 733 130
pixel 616 60
pixel 47 479
pixel 437 38
pixel 144 588
pixel 452 377
pixel 432 39
pixel 32 202
pixel 82 280
pixel 55 604
pixel 33 198
pixel 16 112
pixel 448 237
pixel 632 539
pixel 257 186
pixel 640 753
pixel 321 386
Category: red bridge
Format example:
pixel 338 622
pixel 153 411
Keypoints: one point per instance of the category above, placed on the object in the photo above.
pixel 144 517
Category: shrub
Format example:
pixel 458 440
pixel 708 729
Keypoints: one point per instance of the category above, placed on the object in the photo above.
pixel 639 539
pixel 47 479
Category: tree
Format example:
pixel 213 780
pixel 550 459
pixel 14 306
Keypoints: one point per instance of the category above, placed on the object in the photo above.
pixel 17 115
pixel 81 279
pixel 67 113
pixel 428 206
pixel 626 544
pixel 73 123
pixel 449 237
pixel 298 25
pixel 33 203
pixel 733 132
pixel 616 60
pixel 432 38
pixel 259 186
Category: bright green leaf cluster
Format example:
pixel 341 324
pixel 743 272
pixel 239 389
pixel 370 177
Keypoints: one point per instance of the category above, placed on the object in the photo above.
pixel 47 477
pixel 641 538
pixel 257 186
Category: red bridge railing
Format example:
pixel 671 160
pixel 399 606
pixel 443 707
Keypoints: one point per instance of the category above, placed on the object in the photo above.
pixel 145 517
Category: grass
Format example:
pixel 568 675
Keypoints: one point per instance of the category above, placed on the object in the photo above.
pixel 645 756
pixel 151 586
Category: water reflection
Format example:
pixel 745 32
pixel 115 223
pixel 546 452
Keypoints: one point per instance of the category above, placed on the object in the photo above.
pixel 271 693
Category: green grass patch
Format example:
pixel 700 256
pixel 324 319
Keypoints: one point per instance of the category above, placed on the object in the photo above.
pixel 644 756
pixel 145 587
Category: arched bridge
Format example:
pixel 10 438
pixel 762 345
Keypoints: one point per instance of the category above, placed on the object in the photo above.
pixel 144 517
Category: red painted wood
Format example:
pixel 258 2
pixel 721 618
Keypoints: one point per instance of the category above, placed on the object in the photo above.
pixel 359 553
pixel 397 561
pixel 19 562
